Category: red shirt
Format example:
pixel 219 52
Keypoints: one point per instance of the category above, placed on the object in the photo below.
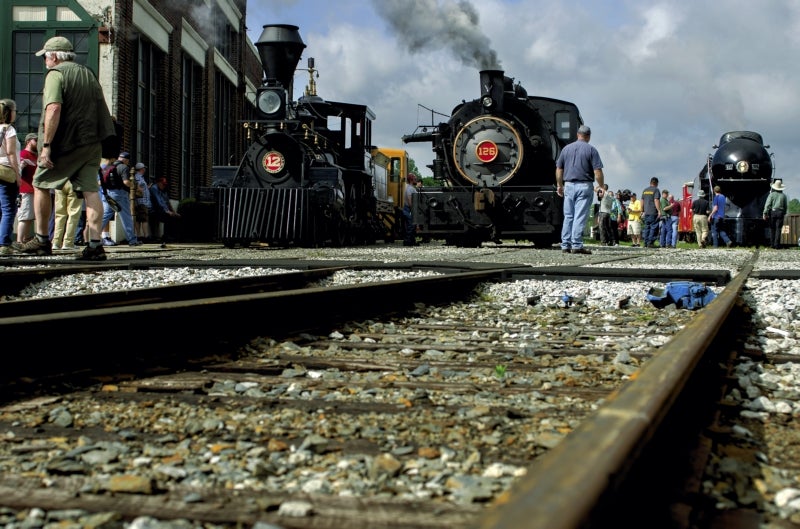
pixel 27 170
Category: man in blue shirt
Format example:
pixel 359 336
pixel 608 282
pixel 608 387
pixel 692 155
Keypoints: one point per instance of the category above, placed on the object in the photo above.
pixel 162 211
pixel 716 219
pixel 577 167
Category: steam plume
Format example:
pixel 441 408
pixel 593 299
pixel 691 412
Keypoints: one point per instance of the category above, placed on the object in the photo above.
pixel 431 24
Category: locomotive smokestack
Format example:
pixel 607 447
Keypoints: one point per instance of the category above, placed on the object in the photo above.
pixel 280 48
pixel 492 86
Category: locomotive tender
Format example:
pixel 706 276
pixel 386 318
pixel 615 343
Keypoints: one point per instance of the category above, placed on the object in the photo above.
pixel 496 156
pixel 742 167
pixel 310 176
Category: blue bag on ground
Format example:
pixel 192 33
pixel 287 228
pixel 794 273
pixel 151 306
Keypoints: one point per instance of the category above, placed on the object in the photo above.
pixel 684 294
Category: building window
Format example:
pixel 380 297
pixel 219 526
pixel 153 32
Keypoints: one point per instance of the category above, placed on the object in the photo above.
pixel 225 36
pixel 29 71
pixel 224 94
pixel 191 117
pixel 147 111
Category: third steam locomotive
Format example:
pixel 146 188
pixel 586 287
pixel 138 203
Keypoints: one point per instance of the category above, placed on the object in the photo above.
pixel 742 167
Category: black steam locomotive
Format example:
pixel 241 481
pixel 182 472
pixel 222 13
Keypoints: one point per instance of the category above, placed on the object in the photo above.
pixel 496 156
pixel 309 177
pixel 742 167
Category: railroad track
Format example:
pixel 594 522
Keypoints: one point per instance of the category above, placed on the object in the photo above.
pixel 393 422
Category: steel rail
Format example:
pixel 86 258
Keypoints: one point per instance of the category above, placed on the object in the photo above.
pixel 562 489
pixel 200 324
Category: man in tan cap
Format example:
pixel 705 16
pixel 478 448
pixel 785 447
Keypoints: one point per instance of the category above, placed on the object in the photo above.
pixel 75 120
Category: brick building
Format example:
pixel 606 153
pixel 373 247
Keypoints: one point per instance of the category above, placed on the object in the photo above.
pixel 178 75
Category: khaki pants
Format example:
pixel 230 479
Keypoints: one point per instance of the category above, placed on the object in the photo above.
pixel 68 212
pixel 700 225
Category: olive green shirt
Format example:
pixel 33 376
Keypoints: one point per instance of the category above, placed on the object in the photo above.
pixel 84 117
pixel 775 200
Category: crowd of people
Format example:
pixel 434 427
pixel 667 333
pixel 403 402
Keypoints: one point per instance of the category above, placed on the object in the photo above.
pixel 650 221
pixel 52 186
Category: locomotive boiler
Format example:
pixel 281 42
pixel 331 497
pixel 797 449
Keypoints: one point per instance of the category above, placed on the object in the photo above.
pixel 742 167
pixel 308 177
pixel 496 159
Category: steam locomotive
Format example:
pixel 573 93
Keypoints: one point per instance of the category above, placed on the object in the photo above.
pixel 742 167
pixel 496 158
pixel 310 176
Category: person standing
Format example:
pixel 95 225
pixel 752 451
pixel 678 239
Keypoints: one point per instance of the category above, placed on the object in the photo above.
pixel 674 218
pixel 716 219
pixel 604 216
pixel 635 220
pixel 774 211
pixel 27 161
pixel 700 218
pixel 665 236
pixel 411 228
pixel 117 184
pixel 75 121
pixel 577 168
pixel 651 212
pixel 9 172
pixel 142 207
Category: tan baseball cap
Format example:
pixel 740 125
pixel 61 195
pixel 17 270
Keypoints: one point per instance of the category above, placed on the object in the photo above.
pixel 55 44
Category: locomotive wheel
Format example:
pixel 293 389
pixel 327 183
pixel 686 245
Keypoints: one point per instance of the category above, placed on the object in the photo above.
pixel 339 233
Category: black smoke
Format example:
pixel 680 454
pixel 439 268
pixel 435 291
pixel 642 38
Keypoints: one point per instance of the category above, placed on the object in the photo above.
pixel 433 24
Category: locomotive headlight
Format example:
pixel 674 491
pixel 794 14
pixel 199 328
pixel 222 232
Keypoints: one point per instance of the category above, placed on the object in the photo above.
pixel 742 166
pixel 270 102
pixel 487 102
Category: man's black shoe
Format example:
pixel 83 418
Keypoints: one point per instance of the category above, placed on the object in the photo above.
pixel 582 251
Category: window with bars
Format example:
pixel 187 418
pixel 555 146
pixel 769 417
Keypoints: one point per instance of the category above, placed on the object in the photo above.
pixel 148 60
pixel 191 117
pixel 29 72
pixel 224 93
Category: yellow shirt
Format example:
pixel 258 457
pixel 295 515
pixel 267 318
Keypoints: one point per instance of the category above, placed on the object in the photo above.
pixel 635 209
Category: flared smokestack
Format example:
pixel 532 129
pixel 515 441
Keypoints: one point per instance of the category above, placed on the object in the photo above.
pixel 280 48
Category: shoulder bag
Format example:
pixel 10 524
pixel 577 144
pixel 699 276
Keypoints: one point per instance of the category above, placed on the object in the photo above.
pixel 7 174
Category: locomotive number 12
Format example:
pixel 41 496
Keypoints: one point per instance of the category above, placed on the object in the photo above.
pixel 486 151
pixel 273 162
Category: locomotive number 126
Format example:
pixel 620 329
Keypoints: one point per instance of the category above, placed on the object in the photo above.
pixel 486 151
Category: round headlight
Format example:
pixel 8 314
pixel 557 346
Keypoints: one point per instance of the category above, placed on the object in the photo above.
pixel 487 102
pixel 742 166
pixel 269 101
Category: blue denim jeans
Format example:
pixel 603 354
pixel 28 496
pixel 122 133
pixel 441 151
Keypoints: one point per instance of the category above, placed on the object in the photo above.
pixel 411 229
pixel 123 198
pixel 650 229
pixel 578 198
pixel 8 207
pixel 674 222
pixel 718 231
pixel 665 237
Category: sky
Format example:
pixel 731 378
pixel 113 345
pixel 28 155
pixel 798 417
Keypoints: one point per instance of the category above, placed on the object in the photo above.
pixel 658 82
